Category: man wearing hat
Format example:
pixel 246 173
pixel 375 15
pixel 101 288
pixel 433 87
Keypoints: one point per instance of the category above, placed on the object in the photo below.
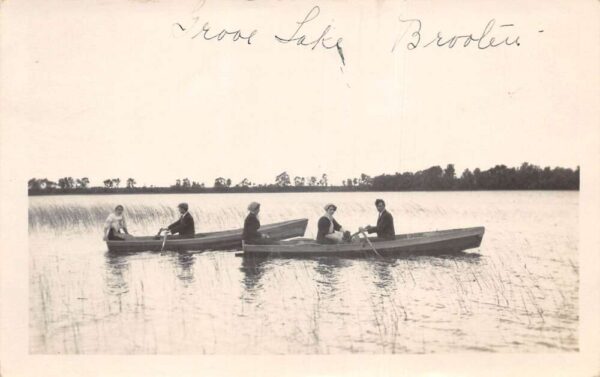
pixel 185 225
pixel 251 235
pixel 329 230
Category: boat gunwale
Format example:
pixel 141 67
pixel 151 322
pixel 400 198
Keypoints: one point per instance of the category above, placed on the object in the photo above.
pixel 401 240
pixel 222 235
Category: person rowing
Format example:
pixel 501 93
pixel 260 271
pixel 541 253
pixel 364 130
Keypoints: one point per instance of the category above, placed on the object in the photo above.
pixel 385 223
pixel 115 226
pixel 184 226
pixel 251 235
pixel 329 230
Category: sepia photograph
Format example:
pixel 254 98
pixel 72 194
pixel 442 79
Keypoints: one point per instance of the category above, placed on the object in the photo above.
pixel 247 185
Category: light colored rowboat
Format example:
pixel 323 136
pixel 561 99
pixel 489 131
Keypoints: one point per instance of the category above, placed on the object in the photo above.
pixel 222 240
pixel 429 243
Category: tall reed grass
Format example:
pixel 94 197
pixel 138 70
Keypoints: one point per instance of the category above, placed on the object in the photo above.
pixel 64 216
pixel 519 295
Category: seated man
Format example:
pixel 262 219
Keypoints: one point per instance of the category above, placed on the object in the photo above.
pixel 185 225
pixel 385 223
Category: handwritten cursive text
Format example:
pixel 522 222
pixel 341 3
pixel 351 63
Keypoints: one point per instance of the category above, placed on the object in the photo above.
pixel 323 40
pixel 207 34
pixel 483 40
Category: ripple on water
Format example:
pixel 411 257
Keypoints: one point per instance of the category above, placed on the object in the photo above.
pixel 517 293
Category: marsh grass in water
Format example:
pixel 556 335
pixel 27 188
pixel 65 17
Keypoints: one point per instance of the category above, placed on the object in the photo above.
pixel 517 293
pixel 61 216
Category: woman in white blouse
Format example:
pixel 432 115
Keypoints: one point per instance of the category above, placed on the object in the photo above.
pixel 115 227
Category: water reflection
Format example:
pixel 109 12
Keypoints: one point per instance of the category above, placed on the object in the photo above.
pixel 382 274
pixel 520 295
pixel 184 265
pixel 117 267
pixel 462 256
pixel 328 278
pixel 253 270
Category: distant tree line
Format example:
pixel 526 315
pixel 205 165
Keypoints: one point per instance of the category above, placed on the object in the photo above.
pixel 500 177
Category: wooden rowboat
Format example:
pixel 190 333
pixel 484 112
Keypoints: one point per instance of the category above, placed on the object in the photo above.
pixel 429 243
pixel 222 240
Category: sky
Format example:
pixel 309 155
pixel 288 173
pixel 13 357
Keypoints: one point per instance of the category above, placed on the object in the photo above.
pixel 112 89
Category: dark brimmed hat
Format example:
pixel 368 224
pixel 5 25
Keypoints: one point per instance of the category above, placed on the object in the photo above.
pixel 183 206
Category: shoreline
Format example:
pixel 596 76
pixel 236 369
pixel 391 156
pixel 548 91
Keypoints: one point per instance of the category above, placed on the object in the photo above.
pixel 267 191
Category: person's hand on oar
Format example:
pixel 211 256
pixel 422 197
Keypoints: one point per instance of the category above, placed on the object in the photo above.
pixel 159 234
pixel 369 241
pixel 355 235
pixel 166 233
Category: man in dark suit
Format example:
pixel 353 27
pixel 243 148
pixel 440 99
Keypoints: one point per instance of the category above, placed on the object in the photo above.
pixel 385 223
pixel 185 225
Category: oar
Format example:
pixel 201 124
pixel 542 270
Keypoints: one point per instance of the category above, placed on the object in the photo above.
pixel 355 234
pixel 369 242
pixel 164 241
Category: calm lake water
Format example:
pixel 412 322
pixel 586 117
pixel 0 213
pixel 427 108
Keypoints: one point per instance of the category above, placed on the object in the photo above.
pixel 518 292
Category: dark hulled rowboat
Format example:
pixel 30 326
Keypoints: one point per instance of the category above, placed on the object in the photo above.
pixel 222 240
pixel 430 243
